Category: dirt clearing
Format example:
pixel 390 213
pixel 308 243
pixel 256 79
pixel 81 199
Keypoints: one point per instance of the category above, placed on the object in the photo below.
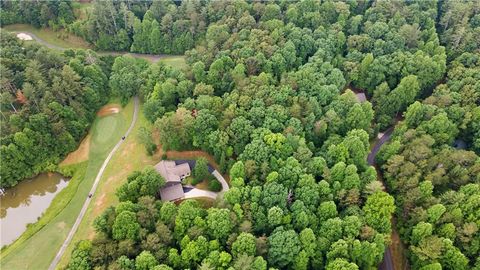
pixel 79 155
pixel 109 109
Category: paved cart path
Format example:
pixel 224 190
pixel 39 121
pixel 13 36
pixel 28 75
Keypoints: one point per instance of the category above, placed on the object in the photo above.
pixel 67 241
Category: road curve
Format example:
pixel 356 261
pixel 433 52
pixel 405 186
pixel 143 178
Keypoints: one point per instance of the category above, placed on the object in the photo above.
pixel 222 181
pixel 387 262
pixel 151 57
pixel 373 153
pixel 194 192
pixel 67 241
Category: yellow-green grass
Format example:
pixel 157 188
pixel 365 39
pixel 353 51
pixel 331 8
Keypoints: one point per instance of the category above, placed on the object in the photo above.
pixel 175 61
pixel 50 36
pixel 37 251
pixel 130 156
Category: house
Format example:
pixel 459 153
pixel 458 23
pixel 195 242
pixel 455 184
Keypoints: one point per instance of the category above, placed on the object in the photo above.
pixel 173 174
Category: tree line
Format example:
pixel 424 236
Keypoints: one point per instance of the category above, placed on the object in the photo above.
pixel 277 117
pixel 432 170
pixel 266 92
pixel 48 101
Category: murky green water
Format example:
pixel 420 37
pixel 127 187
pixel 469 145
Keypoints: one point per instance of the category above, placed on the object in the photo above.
pixel 25 203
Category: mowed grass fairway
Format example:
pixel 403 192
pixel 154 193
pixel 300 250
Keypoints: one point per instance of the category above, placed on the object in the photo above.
pixel 130 156
pixel 50 36
pixel 38 251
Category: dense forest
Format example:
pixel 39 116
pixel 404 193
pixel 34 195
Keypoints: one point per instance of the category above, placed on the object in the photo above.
pixel 437 186
pixel 268 93
pixel 48 101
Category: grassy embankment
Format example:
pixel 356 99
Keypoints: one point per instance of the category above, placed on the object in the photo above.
pixel 48 234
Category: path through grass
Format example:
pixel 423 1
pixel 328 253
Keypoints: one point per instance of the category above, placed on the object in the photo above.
pixel 105 134
pixel 130 156
pixel 50 36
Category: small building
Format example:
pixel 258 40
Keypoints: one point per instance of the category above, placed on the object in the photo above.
pixel 173 175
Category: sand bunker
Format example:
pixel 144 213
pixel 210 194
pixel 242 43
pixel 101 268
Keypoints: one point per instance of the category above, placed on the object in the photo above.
pixel 24 36
pixel 109 109
pixel 79 155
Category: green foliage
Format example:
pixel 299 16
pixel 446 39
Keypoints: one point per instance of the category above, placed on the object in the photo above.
pixel 219 223
pixel 46 106
pixel 378 210
pixel 145 261
pixel 80 256
pixel 214 185
pixel 283 247
pixel 145 183
pixel 125 80
pixel 266 94
pixel 125 226
pixel 145 137
pixel 200 171
pixel 244 244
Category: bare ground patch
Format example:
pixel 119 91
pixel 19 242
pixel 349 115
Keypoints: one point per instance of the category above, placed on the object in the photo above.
pixel 79 155
pixel 109 109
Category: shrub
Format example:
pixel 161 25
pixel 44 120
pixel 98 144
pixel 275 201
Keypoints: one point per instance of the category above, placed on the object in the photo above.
pixel 214 185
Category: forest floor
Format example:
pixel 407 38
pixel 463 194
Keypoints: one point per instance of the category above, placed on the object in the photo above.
pixel 23 254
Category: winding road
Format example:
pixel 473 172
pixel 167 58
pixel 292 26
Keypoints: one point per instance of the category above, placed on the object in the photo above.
pixel 151 57
pixel 387 262
pixel 67 241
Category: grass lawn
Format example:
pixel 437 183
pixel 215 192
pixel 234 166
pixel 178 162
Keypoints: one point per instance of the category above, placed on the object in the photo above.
pixel 130 156
pixel 51 37
pixel 175 61
pixel 202 185
pixel 105 133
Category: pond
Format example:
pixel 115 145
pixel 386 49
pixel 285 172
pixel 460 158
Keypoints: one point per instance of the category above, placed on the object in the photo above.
pixel 26 202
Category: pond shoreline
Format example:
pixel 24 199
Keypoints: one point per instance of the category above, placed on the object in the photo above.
pixel 26 202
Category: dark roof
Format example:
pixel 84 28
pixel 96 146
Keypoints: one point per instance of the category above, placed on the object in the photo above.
pixel 191 163
pixel 171 192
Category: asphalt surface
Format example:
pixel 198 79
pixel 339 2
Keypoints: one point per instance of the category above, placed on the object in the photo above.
pixel 373 153
pixel 387 262
pixel 67 241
